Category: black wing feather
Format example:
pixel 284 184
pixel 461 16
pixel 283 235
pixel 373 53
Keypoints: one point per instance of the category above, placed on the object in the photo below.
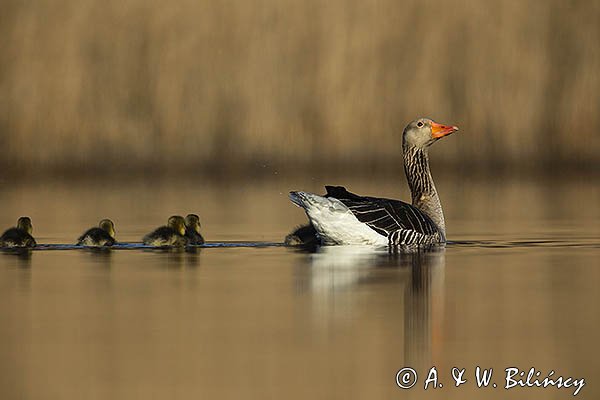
pixel 387 216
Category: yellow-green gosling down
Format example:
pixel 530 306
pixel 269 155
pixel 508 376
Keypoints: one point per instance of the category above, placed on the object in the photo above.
pixel 171 235
pixel 19 236
pixel 303 236
pixel 192 229
pixel 103 235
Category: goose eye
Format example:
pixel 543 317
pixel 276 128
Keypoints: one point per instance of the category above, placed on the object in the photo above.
pixel 420 124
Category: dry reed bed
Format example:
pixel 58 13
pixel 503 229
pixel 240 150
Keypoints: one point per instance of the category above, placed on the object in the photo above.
pixel 139 82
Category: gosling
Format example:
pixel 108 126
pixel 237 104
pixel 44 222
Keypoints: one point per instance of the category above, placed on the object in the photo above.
pixel 171 235
pixel 19 236
pixel 192 229
pixel 303 236
pixel 103 235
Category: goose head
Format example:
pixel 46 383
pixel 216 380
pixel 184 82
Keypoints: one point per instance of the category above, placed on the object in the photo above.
pixel 423 132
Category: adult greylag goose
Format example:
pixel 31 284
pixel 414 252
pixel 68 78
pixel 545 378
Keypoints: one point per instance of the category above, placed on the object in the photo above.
pixel 341 217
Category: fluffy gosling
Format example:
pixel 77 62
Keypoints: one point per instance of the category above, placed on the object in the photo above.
pixel 173 234
pixel 102 235
pixel 192 229
pixel 19 236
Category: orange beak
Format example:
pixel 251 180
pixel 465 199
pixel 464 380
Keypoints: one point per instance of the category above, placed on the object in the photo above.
pixel 439 130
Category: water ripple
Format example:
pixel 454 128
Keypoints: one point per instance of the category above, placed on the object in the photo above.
pixel 545 243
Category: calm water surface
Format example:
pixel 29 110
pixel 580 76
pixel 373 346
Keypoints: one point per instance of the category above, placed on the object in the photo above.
pixel 518 286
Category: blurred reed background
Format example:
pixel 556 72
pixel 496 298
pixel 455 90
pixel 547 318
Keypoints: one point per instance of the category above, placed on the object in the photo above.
pixel 142 85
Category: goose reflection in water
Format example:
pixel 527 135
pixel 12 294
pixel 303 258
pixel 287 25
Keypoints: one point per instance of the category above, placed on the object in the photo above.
pixel 342 277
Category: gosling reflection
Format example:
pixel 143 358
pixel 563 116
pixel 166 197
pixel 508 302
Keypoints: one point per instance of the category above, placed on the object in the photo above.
pixel 192 259
pixel 418 276
pixel 101 256
pixel 178 257
pixel 21 255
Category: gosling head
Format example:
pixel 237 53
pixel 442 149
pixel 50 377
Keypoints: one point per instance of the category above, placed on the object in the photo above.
pixel 423 132
pixel 108 226
pixel 24 223
pixel 177 223
pixel 192 221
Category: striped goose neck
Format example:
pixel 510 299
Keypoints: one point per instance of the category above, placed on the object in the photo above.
pixel 422 188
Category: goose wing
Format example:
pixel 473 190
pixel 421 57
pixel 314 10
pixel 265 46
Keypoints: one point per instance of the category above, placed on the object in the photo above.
pixel 400 222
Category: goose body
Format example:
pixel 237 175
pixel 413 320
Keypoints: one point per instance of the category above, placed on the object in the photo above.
pixel 341 217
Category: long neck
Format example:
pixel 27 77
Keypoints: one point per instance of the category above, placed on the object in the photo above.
pixel 422 188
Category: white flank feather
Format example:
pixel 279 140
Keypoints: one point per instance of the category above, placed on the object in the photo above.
pixel 334 222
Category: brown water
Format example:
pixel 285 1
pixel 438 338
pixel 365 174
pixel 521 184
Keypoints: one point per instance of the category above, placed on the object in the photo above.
pixel 517 287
